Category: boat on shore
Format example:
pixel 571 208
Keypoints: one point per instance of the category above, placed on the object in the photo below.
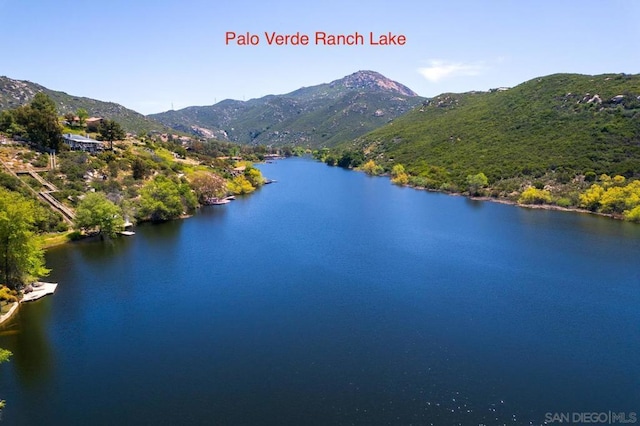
pixel 217 201
pixel 38 290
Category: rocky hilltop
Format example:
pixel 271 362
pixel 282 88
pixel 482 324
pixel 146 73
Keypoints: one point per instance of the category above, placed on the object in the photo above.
pixel 371 80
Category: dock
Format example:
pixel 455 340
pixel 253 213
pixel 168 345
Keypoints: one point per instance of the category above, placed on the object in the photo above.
pixel 40 289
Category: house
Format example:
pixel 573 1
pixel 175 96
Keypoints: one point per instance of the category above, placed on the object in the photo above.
pixel 93 123
pixel 81 143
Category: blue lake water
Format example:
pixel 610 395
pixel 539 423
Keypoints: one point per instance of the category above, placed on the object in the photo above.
pixel 334 298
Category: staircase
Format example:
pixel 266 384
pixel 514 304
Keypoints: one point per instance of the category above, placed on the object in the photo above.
pixel 67 214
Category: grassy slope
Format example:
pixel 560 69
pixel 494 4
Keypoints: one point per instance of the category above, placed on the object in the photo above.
pixel 541 125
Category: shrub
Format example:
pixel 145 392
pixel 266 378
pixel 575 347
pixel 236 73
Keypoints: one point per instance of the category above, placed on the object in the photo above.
pixel 633 215
pixel 532 195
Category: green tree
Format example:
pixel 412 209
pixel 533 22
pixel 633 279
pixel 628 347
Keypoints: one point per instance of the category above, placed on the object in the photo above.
pixel 40 121
pixel 70 118
pixel 21 256
pixel 82 115
pixel 139 168
pixel 97 211
pixel 476 182
pixel 164 199
pixel 351 159
pixel 6 120
pixel 110 131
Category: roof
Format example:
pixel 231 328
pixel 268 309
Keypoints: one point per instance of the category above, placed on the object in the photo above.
pixel 78 138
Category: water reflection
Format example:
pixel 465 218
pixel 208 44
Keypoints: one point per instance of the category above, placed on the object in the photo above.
pixel 29 342
pixel 475 204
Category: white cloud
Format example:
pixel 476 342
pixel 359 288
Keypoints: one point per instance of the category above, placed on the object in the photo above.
pixel 439 70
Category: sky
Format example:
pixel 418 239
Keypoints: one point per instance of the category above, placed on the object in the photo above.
pixel 152 56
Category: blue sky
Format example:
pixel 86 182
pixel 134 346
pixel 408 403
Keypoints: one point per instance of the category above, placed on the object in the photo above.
pixel 148 55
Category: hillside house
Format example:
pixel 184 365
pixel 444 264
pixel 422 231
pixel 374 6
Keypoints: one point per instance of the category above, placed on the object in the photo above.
pixel 81 143
pixel 93 123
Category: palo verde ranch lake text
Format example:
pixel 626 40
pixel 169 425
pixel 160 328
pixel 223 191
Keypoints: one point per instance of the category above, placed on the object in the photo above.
pixel 319 38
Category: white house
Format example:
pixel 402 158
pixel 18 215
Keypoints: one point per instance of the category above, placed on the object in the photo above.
pixel 81 143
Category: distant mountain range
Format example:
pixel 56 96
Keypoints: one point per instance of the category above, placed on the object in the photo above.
pixel 14 93
pixel 317 116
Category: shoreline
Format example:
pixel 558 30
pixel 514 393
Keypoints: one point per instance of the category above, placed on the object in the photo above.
pixel 517 204
pixel 541 206
pixel 6 317
pixel 506 201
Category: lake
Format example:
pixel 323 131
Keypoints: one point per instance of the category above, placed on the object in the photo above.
pixel 334 298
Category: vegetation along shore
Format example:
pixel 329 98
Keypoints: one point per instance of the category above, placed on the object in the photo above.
pixel 69 177
pixel 564 141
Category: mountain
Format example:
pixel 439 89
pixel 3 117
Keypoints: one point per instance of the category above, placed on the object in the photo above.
pixel 316 116
pixel 562 125
pixel 14 93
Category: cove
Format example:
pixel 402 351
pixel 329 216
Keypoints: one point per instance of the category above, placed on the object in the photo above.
pixel 331 298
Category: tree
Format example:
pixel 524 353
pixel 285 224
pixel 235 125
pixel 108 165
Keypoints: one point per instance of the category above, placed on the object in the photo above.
pixel 590 199
pixel 240 185
pixel 371 168
pixel 633 215
pixel 21 256
pixel 207 186
pixel 82 115
pixel 110 131
pixel 532 195
pixel 398 175
pixel 97 211
pixel 163 199
pixel 254 176
pixel 351 159
pixel 70 118
pixel 476 182
pixel 40 121
pixel 139 168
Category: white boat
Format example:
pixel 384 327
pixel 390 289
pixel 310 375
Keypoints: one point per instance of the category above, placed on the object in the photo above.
pixel 219 201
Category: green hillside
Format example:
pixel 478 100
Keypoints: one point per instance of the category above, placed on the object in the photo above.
pixel 317 116
pixel 559 127
pixel 14 93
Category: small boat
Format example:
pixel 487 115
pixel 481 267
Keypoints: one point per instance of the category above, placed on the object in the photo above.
pixel 127 233
pixel 230 197
pixel 38 290
pixel 218 201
